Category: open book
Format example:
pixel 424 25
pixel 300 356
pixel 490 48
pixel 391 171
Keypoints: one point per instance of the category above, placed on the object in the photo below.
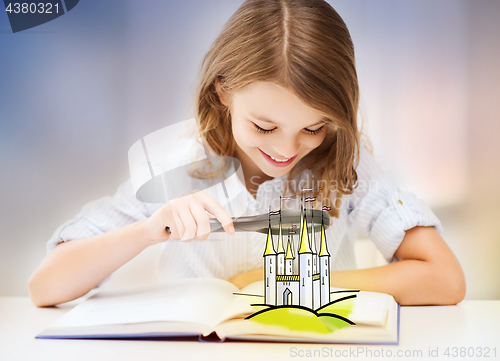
pixel 213 308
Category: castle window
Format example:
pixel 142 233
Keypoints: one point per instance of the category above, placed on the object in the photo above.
pixel 308 273
pixel 308 262
pixel 326 272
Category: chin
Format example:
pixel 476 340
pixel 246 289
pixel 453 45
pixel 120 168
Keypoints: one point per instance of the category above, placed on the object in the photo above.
pixel 274 174
pixel 277 172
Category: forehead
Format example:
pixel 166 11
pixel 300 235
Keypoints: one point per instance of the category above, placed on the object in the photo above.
pixel 274 104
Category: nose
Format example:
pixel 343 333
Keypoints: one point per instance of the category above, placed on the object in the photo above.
pixel 287 147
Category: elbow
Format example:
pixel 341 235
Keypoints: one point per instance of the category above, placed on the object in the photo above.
pixel 45 291
pixel 37 292
pixel 458 292
pixel 34 293
pixel 453 287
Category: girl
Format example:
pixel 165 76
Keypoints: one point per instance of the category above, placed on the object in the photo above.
pixel 278 91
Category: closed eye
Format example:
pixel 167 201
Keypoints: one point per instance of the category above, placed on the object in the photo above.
pixel 262 130
pixel 316 131
pixel 267 131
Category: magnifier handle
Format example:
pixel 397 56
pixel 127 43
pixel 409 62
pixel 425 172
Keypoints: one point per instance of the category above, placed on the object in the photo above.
pixel 289 218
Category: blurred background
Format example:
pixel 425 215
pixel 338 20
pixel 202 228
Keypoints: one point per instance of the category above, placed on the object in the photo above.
pixel 77 92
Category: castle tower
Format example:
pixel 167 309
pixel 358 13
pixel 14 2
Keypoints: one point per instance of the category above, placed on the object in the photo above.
pixel 280 252
pixel 315 269
pixel 289 257
pixel 324 269
pixel 313 248
pixel 269 270
pixel 305 268
pixel 292 245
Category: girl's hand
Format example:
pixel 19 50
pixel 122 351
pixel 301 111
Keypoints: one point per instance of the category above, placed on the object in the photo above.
pixel 187 218
pixel 244 279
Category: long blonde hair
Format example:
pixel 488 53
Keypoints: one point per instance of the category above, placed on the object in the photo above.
pixel 304 46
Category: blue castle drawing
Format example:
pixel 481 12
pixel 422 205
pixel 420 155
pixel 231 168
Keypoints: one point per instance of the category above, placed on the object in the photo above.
pixel 310 287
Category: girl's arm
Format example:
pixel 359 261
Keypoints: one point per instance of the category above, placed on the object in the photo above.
pixel 73 268
pixel 428 273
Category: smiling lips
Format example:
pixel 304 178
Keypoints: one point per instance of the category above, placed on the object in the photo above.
pixel 277 162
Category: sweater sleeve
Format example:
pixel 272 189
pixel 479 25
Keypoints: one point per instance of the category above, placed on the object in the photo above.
pixel 381 211
pixel 102 215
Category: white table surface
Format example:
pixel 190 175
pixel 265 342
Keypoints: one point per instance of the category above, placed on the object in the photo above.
pixel 471 325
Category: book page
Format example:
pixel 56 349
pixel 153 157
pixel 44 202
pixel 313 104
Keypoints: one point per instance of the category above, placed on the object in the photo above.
pixel 198 300
pixel 256 288
pixel 241 306
pixel 370 308
pixel 375 315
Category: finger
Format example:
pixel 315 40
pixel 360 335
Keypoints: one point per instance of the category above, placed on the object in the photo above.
pixel 188 223
pixel 214 207
pixel 167 221
pixel 176 226
pixel 202 221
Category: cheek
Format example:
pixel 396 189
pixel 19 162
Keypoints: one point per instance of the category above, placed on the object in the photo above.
pixel 254 140
pixel 246 137
pixel 314 141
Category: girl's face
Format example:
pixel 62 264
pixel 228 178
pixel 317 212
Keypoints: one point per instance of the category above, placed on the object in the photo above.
pixel 273 128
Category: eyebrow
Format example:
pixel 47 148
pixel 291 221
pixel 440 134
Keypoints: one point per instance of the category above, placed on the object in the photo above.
pixel 264 119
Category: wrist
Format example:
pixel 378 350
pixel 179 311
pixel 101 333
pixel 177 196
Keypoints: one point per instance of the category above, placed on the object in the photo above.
pixel 147 237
